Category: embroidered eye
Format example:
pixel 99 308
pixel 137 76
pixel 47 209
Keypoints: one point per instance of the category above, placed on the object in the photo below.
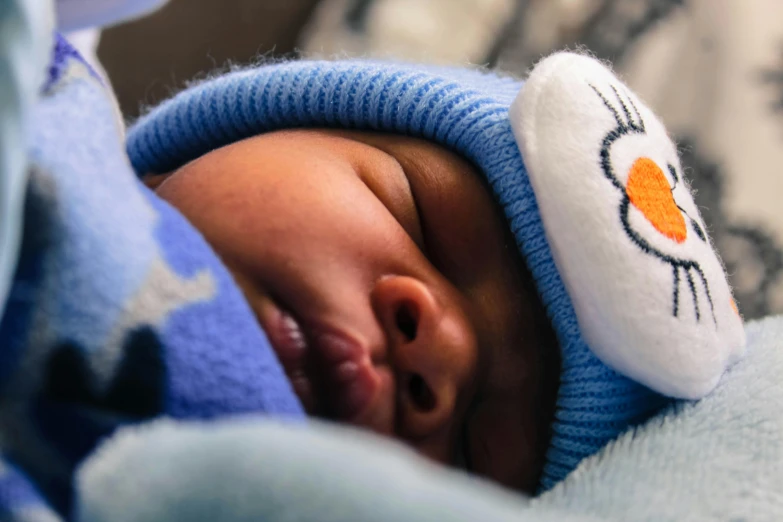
pixel 649 191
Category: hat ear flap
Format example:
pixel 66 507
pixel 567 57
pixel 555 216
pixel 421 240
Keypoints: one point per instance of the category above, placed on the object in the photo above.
pixel 648 289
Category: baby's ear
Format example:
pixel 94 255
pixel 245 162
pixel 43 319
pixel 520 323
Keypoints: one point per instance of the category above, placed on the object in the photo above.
pixel 649 292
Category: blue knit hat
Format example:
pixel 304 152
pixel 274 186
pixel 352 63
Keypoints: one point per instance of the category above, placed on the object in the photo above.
pixel 466 111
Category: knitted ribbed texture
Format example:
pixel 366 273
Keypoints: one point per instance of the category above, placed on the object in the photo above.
pixel 466 111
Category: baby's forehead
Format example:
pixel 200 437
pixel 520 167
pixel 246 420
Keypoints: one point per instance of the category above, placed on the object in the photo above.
pixel 452 207
pixel 442 166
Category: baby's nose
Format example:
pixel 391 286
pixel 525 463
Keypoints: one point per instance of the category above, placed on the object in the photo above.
pixel 431 349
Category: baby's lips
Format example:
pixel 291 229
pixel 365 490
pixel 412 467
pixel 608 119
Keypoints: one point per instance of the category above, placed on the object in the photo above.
pixel 353 396
pixel 348 374
pixel 304 390
pixel 284 333
pixel 336 349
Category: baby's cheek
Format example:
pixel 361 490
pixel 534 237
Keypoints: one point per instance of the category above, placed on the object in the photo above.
pixel 503 446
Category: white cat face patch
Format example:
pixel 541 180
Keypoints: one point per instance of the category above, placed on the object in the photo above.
pixel 649 292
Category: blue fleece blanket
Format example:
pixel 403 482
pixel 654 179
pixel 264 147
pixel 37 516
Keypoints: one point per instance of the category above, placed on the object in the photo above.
pixel 118 311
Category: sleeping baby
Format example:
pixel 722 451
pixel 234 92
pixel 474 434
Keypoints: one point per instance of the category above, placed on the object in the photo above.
pixel 388 284
pixel 383 270
pixel 503 276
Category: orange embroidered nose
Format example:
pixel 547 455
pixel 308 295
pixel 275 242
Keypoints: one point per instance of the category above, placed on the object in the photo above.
pixel 649 191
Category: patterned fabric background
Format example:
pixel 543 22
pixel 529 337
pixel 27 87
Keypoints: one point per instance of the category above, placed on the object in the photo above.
pixel 712 69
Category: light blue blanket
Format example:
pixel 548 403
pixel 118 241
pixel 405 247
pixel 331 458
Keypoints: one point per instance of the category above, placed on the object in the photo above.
pixel 718 459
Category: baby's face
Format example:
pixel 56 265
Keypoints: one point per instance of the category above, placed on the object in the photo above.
pixel 394 297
